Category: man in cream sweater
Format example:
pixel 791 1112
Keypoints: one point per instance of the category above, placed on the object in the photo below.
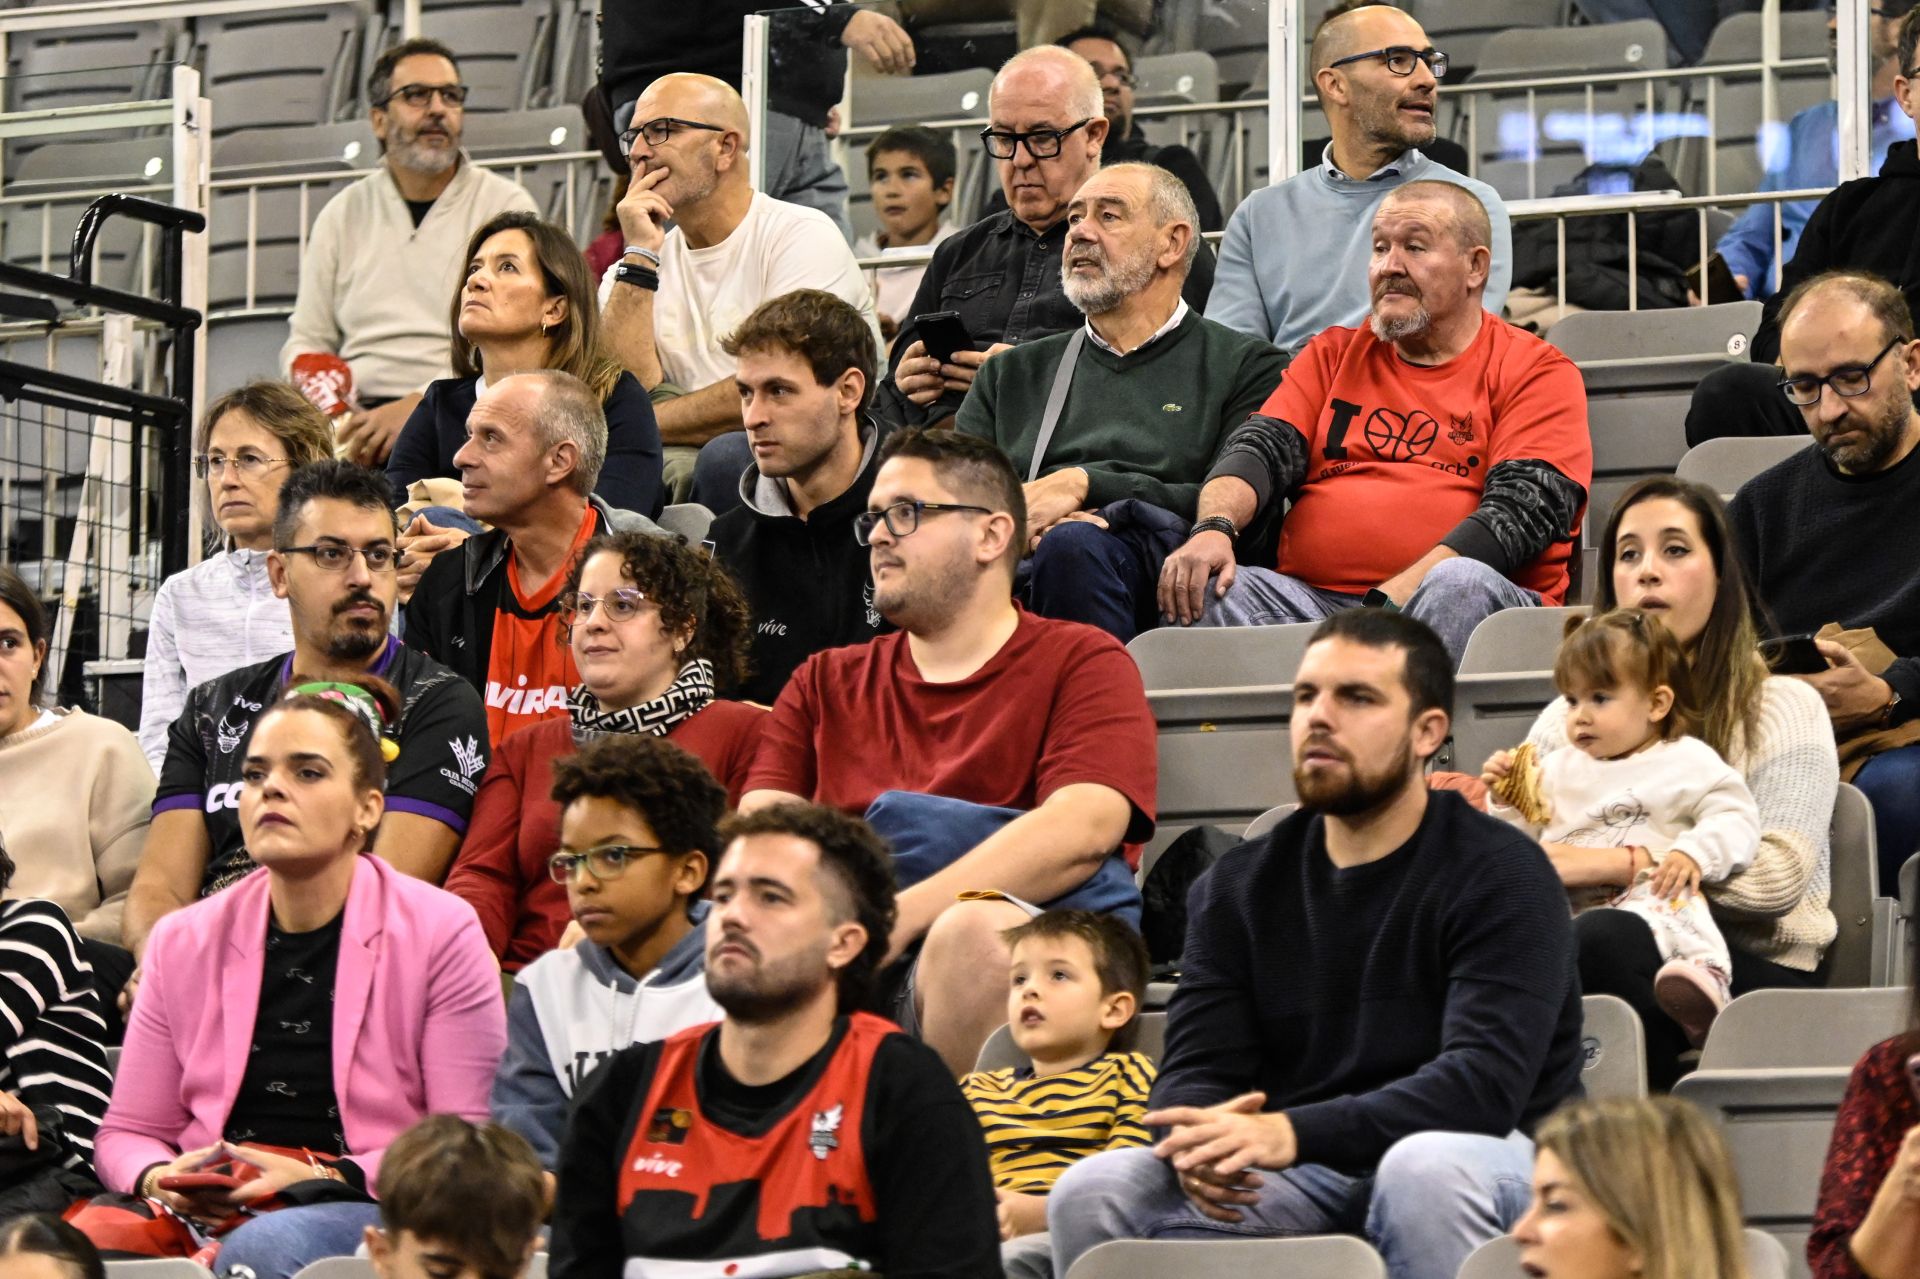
pixel 386 254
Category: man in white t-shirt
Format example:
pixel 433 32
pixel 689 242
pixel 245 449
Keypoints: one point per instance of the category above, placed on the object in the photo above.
pixel 675 295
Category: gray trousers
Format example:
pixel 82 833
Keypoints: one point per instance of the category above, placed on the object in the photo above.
pixel 1454 598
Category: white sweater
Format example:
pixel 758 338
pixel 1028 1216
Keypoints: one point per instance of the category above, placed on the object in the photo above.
pixel 376 290
pixel 1676 796
pixel 1777 907
pixel 215 617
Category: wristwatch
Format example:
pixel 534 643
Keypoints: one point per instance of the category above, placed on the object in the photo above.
pixel 1888 711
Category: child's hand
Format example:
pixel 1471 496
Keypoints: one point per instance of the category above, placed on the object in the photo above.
pixel 1021 1214
pixel 1677 875
pixel 1495 770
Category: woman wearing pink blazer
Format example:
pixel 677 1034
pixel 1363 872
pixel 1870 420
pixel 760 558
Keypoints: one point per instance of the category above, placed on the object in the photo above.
pixel 291 1027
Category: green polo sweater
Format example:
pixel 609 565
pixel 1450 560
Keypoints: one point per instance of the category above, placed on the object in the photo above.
pixel 1146 424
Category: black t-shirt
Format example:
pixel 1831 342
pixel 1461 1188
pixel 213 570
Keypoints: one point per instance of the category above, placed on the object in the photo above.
pixel 286 1096
pixel 442 736
pixel 418 210
pixel 926 1160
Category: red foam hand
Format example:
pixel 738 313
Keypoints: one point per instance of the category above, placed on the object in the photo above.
pixel 325 379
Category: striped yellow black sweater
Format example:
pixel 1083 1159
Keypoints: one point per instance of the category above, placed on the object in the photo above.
pixel 1038 1127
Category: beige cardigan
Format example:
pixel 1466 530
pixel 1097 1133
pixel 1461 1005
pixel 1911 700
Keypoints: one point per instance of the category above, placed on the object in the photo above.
pixel 75 799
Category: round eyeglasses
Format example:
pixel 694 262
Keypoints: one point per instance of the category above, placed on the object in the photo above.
pixel 608 861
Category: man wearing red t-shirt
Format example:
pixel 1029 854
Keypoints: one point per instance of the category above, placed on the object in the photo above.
pixel 1437 460
pixel 489 609
pixel 1002 753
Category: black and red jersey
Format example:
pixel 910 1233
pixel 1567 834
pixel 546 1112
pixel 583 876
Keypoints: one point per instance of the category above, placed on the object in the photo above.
pixel 866 1157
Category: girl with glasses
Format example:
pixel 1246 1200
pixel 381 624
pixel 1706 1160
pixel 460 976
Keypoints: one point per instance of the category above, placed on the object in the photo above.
pixel 658 631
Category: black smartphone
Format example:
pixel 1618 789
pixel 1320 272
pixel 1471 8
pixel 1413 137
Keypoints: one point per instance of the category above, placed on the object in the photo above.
pixel 1793 655
pixel 1720 284
pixel 943 333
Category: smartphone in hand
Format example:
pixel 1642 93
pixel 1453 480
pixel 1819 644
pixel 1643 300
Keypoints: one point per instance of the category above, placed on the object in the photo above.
pixel 1793 655
pixel 942 333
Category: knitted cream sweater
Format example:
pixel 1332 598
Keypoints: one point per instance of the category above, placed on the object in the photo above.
pixel 1777 907
pixel 75 799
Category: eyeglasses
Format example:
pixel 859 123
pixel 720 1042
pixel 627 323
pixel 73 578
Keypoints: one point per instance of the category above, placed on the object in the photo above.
pixel 1849 380
pixel 249 465
pixel 617 606
pixel 420 96
pixel 1042 144
pixel 1119 75
pixel 1400 59
pixel 656 132
pixel 609 861
pixel 903 517
pixel 335 556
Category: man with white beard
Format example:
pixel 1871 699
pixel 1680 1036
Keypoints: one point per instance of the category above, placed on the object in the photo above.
pixel 1436 459
pixel 387 252
pixel 1133 404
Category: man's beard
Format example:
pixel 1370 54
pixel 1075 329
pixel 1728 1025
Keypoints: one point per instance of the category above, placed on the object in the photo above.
pixel 409 154
pixel 1117 282
pixel 1380 122
pixel 926 604
pixel 350 642
pixel 1882 439
pixel 1354 792
pixel 1401 327
pixel 768 992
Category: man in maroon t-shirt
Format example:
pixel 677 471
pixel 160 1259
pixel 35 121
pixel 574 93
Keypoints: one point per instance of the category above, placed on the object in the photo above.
pixel 1026 741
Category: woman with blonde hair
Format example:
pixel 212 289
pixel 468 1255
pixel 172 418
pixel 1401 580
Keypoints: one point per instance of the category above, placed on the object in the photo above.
pixel 222 614
pixel 1632 1190
pixel 525 303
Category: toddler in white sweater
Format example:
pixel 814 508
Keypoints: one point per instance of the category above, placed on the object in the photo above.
pixel 1678 814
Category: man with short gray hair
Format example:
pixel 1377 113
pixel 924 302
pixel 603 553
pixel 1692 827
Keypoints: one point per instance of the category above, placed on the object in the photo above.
pixel 1114 424
pixel 1045 126
pixel 1436 458
pixel 490 610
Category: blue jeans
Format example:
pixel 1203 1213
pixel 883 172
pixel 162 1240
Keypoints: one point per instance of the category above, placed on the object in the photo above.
pixel 1435 1197
pixel 1455 596
pixel 280 1244
pixel 1083 573
pixel 1891 780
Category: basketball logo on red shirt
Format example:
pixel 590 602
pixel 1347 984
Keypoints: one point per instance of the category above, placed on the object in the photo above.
pixel 1398 437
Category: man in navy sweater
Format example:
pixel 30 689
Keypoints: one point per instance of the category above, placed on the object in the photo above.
pixel 1379 998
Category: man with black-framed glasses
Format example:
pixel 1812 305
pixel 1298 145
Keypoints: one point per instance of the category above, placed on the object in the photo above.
pixel 1865 225
pixel 1826 536
pixel 1047 126
pixel 333 562
pixel 387 252
pixel 1294 258
pixel 1006 757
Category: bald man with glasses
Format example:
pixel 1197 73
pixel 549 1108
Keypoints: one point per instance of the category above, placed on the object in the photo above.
pixel 1294 258
pixel 388 251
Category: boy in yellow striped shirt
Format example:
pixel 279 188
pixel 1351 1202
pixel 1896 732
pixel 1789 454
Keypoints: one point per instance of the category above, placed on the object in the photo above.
pixel 1076 981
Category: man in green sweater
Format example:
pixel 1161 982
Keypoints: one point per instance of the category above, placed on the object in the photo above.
pixel 1152 391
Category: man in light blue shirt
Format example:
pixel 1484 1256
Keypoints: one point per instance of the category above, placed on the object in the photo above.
pixel 1294 258
pixel 1810 157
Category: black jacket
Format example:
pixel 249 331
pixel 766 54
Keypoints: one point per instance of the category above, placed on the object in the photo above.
pixel 806 580
pixel 450 617
pixel 1868 224
pixel 629 478
pixel 641 42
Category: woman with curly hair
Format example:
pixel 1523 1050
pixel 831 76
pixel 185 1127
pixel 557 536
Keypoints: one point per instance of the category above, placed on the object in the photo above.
pixel 658 630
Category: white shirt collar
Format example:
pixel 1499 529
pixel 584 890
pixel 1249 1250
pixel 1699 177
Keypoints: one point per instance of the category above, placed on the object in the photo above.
pixel 1390 169
pixel 1173 322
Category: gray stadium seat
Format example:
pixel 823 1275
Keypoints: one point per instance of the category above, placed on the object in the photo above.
pixel 1723 465
pixel 1493 712
pixel 689 519
pixel 514 133
pixel 1184 658
pixel 1306 1257
pixel 1859 954
pixel 1461 28
pixel 1500 1259
pixel 1170 78
pixel 951 95
pixel 338 1268
pixel 505 50
pixel 1640 368
pixel 88 66
pixel 1613 1048
pixel 1505 125
pixel 1517 639
pixel 1738 102
pixel 1146 1033
pixel 77 171
pixel 1772 1074
pixel 346 146
pixel 240 349
pixel 1268 820
pixel 281 67
pixel 157 1268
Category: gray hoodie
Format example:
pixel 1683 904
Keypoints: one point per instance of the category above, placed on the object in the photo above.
pixel 572 1009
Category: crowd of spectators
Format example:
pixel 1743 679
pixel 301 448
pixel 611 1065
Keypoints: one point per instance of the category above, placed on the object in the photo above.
pixel 767 837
